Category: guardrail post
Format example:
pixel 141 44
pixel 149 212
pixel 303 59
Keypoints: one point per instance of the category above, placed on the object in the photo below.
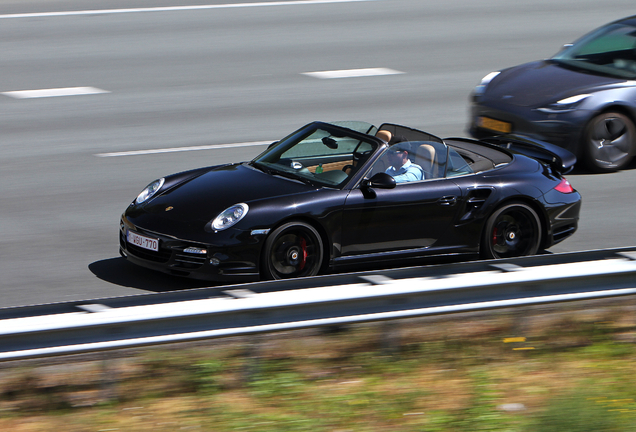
pixel 108 391
pixel 389 337
pixel 520 322
pixel 252 358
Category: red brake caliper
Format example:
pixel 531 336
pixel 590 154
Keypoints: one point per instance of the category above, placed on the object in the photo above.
pixel 494 236
pixel 303 246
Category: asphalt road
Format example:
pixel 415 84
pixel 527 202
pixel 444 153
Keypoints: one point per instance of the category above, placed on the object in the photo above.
pixel 221 75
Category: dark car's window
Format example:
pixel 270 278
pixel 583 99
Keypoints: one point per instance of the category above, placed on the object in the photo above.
pixel 610 50
pixel 320 154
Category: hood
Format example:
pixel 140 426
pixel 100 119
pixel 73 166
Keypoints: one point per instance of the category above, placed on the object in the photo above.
pixel 202 198
pixel 543 82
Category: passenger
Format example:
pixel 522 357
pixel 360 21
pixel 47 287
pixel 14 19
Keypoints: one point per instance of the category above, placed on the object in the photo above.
pixel 402 169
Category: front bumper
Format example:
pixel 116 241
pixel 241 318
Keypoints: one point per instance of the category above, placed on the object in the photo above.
pixel 233 262
pixel 562 129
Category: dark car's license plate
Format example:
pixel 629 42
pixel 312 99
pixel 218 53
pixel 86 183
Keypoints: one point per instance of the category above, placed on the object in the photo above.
pixel 495 125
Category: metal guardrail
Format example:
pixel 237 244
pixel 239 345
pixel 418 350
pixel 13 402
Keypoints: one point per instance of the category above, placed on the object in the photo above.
pixel 438 270
pixel 71 328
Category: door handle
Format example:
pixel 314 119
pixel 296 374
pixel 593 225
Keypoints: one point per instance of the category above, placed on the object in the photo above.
pixel 448 200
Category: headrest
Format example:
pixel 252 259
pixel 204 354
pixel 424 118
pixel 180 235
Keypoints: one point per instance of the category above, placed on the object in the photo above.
pixel 384 135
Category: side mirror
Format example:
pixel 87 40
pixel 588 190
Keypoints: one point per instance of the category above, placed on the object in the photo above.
pixel 380 180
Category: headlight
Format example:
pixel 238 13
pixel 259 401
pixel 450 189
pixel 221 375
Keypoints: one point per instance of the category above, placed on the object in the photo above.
pixel 564 105
pixel 230 216
pixel 149 191
pixel 481 87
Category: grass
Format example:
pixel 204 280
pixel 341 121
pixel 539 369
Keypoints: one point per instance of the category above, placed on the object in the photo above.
pixel 572 371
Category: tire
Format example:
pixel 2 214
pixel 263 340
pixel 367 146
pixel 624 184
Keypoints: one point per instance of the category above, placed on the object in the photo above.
pixel 512 230
pixel 292 250
pixel 609 142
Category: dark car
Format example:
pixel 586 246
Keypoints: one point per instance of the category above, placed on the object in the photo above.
pixel 320 200
pixel 582 99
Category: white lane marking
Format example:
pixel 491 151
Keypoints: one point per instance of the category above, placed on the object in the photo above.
pixel 176 8
pixel 54 92
pixel 183 149
pixel 352 73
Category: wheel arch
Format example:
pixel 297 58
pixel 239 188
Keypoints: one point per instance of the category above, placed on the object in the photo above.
pixel 618 108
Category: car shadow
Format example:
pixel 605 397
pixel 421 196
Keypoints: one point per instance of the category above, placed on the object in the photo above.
pixel 118 271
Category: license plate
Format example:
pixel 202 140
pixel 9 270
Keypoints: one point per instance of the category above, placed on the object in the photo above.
pixel 496 125
pixel 143 241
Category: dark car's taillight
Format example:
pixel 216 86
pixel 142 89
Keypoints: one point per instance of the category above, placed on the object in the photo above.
pixel 564 186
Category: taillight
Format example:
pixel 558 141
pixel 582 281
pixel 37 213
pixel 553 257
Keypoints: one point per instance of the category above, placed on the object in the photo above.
pixel 564 186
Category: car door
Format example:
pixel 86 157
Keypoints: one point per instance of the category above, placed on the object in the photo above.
pixel 409 218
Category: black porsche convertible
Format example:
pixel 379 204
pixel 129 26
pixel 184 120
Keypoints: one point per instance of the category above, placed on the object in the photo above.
pixel 331 196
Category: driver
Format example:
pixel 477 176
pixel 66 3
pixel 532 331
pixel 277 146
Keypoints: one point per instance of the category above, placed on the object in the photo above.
pixel 402 169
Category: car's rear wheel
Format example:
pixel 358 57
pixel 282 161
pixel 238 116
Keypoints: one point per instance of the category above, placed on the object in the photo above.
pixel 512 230
pixel 294 249
pixel 610 142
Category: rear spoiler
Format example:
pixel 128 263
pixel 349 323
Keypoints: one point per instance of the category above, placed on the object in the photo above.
pixel 557 157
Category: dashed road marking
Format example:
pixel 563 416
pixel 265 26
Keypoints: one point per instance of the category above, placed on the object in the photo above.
pixel 352 73
pixel 54 92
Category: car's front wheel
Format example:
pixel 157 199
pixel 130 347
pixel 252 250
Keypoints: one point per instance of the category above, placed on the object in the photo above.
pixel 513 230
pixel 294 249
pixel 610 142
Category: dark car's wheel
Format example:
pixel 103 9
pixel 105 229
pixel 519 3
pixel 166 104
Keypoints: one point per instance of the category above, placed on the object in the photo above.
pixel 292 250
pixel 512 230
pixel 610 140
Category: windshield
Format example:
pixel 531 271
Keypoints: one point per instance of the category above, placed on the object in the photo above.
pixel 319 154
pixel 610 50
